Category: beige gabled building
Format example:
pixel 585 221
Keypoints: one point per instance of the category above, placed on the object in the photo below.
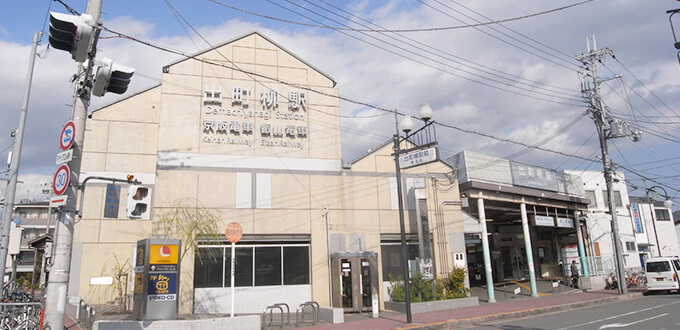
pixel 252 133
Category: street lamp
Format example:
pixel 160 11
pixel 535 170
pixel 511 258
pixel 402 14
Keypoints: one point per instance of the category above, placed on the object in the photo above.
pixel 668 203
pixel 422 135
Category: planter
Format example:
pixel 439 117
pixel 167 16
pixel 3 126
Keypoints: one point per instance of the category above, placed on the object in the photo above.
pixel 433 306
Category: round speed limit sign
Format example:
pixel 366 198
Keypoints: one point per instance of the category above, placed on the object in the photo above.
pixel 61 179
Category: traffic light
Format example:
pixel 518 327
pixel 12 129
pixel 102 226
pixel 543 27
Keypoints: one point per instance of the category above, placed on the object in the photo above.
pixel 74 34
pixel 111 77
pixel 138 202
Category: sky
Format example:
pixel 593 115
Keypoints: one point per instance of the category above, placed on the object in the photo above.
pixel 501 76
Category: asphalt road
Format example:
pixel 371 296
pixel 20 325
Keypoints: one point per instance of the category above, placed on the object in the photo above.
pixel 661 311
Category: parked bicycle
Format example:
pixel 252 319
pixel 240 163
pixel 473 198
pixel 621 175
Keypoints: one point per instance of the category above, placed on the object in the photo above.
pixel 636 280
pixel 22 315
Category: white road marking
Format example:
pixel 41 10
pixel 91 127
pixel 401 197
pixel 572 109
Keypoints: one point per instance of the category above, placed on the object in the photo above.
pixel 621 325
pixel 617 316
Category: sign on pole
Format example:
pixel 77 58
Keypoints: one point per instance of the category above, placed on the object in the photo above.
pixel 61 179
pixel 58 201
pixel 418 157
pixel 64 157
pixel 234 232
pixel 67 135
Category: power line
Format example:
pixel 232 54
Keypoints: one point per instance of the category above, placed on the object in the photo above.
pixel 418 61
pixel 344 98
pixel 382 30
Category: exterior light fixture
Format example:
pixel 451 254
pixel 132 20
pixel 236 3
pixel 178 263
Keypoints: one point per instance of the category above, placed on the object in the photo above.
pixel 406 124
pixel 425 113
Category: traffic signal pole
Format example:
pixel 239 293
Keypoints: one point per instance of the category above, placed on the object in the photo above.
pixel 6 223
pixel 57 287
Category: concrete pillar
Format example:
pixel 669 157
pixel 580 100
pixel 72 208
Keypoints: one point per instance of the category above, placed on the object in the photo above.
pixel 485 250
pixel 581 246
pixel 529 250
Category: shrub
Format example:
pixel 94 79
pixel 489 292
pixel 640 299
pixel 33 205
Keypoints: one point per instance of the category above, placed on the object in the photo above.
pixel 450 287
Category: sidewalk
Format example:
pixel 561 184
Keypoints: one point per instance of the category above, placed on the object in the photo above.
pixel 486 312
pixel 509 305
pixel 71 323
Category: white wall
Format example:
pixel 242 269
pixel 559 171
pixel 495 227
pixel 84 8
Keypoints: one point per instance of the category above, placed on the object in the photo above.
pixel 599 220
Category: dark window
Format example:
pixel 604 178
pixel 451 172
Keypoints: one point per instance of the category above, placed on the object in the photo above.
pixel 296 265
pixel 243 270
pixel 392 259
pixel 658 266
pixel 662 215
pixel 617 199
pixel 208 268
pixel 590 195
pixel 267 266
pixel 254 266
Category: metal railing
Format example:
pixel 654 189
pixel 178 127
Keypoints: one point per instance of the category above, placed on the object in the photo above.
pixel 21 315
pixel 601 266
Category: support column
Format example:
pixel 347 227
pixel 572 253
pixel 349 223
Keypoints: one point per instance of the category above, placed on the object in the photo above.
pixel 529 250
pixel 581 246
pixel 485 250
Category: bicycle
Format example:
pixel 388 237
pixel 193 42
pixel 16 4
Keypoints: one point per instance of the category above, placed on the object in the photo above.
pixel 637 280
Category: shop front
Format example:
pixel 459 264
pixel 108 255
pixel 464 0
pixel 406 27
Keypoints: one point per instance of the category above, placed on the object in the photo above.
pixel 526 216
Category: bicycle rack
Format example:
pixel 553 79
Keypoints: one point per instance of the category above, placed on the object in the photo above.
pixel 300 312
pixel 271 315
pixel 86 314
pixel 287 311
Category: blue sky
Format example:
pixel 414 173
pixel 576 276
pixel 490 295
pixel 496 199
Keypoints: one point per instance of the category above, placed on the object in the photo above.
pixel 458 71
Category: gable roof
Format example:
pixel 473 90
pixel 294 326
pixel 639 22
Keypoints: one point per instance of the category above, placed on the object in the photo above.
pixel 165 68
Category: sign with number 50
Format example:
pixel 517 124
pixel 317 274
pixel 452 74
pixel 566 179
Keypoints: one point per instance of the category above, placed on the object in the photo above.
pixel 61 179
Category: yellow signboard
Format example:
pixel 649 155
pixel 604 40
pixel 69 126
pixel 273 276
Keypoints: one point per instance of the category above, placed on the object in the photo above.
pixel 163 254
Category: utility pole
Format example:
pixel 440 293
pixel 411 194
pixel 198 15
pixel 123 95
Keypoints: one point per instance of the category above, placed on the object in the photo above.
pixel 57 287
pixel 616 129
pixel 14 164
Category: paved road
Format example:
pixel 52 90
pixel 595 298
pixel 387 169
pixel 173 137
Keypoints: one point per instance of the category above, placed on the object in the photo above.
pixel 647 313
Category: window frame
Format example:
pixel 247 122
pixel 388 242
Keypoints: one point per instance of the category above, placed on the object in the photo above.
pixel 226 268
pixel 666 215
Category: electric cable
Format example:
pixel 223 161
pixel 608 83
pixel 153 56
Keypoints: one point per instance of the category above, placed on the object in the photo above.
pixel 382 30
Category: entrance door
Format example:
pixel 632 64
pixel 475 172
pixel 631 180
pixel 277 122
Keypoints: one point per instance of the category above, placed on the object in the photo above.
pixel 514 262
pixel 355 280
pixel 508 261
pixel 346 284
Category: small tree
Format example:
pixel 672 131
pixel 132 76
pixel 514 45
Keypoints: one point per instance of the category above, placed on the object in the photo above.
pixel 186 219
pixel 120 274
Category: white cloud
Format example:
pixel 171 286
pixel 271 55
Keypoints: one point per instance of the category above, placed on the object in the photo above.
pixel 440 69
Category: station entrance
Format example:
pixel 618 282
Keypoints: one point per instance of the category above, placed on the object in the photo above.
pixel 355 280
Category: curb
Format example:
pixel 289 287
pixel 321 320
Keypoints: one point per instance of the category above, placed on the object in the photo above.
pixel 468 322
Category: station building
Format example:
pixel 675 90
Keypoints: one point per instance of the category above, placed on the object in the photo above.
pixel 530 216
pixel 251 132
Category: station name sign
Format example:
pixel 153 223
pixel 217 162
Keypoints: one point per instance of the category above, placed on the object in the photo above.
pixel 418 157
pixel 240 123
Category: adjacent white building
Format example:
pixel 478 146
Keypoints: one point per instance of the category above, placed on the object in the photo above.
pixel 598 220
pixel 654 228
pixel 646 227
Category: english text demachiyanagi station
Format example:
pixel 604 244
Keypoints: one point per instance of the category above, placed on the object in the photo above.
pixel 250 132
